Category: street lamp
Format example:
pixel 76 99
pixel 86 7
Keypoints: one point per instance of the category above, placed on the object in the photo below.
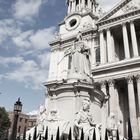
pixel 17 110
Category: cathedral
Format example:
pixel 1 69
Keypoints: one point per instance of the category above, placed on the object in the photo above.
pixel 95 66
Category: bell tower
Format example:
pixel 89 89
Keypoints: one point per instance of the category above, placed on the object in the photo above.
pixel 79 5
pixel 81 15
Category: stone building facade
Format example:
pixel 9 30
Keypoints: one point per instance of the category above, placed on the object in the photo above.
pixel 25 122
pixel 97 59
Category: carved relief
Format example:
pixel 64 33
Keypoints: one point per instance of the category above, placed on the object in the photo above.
pixel 84 121
pixel 131 6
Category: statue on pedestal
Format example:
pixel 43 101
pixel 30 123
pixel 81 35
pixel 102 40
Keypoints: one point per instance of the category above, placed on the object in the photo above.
pixel 79 55
pixel 84 120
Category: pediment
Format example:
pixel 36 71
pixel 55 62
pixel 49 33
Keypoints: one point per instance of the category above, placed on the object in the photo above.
pixel 125 6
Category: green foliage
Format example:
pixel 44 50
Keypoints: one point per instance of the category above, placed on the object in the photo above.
pixel 4 121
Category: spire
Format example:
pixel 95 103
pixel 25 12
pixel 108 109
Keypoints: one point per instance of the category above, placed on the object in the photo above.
pixel 79 5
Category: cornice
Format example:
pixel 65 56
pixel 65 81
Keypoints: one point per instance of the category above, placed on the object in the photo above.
pixel 61 86
pixel 61 42
pixel 115 65
pixel 119 18
pixel 80 14
pixel 116 70
pixel 113 10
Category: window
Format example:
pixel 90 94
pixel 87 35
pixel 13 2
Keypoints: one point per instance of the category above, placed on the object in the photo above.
pixel 69 62
pixel 73 22
pixel 98 55
pixel 19 129
pixel 26 120
pixel 77 2
pixel 20 119
pixel 86 2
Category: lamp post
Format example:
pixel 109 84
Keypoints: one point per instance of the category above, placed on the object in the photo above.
pixel 17 110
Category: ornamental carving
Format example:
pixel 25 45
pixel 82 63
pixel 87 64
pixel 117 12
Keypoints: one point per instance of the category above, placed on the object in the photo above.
pixel 130 79
pixel 111 83
pixel 138 78
pixel 131 7
pixel 103 84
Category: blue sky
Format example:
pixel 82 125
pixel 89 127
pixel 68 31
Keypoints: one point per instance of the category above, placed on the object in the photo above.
pixel 26 27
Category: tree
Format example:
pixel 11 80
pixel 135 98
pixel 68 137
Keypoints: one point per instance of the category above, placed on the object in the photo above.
pixel 4 121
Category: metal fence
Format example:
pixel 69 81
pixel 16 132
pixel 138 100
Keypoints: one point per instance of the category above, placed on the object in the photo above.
pixel 115 136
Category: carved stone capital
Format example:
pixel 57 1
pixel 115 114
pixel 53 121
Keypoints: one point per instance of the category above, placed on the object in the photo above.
pixel 138 78
pixel 101 31
pixel 123 24
pixel 111 82
pixel 129 79
pixel 108 29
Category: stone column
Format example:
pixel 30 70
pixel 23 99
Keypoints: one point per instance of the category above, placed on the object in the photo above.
pixel 109 47
pixel 69 7
pixel 138 90
pixel 104 109
pixel 103 55
pixel 74 5
pixel 132 108
pixel 134 39
pixel 83 4
pixel 89 4
pixel 111 84
pixel 125 41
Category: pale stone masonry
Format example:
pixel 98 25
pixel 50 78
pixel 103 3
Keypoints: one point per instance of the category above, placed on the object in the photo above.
pixel 111 83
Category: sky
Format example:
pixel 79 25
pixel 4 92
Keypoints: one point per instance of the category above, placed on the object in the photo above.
pixel 26 28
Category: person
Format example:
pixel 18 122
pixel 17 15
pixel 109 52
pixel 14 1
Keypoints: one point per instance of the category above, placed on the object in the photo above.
pixel 84 120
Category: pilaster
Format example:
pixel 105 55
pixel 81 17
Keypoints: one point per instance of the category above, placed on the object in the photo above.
pixel 102 48
pixel 125 41
pixel 138 90
pixel 104 109
pixel 134 39
pixel 109 46
pixel 132 108
pixel 111 84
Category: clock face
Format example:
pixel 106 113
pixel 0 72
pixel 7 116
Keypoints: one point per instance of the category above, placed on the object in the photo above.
pixel 72 22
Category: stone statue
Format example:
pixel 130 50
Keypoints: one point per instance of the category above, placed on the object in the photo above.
pixel 41 119
pixel 54 121
pixel 112 126
pixel 80 56
pixel 84 120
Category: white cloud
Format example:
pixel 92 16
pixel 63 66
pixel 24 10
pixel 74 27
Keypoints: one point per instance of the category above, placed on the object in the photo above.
pixel 27 9
pixel 8 28
pixel 35 40
pixel 29 72
pixel 41 38
pixel 11 60
pixel 23 39
pixel 34 112
pixel 44 60
pixel 107 4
